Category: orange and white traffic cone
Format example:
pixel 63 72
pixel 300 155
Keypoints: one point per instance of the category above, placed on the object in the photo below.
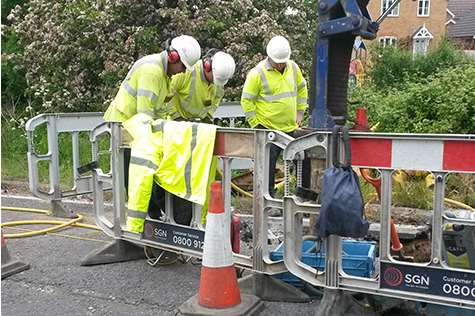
pixel 9 265
pixel 219 292
pixel 361 121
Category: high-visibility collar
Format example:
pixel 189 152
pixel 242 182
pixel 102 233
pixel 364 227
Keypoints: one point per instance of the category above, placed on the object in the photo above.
pixel 269 67
pixel 268 96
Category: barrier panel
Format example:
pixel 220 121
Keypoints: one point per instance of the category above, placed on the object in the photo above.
pixel 231 143
pixel 434 281
pixel 73 124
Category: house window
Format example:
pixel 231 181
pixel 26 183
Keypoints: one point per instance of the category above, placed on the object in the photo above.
pixel 385 41
pixel 421 40
pixel 423 7
pixel 385 4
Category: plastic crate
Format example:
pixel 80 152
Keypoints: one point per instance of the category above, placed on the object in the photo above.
pixel 358 259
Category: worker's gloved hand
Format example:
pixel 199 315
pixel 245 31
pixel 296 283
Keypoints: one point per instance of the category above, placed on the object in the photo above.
pixel 253 121
pixel 299 118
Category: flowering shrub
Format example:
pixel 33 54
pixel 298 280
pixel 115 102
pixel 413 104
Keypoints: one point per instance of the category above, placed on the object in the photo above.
pixel 76 52
pixel 442 103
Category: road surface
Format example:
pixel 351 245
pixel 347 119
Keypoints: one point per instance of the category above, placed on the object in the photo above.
pixel 57 284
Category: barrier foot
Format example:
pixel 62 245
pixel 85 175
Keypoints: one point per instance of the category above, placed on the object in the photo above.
pixel 341 303
pixel 250 305
pixel 13 267
pixel 271 289
pixel 9 265
pixel 116 251
pixel 59 210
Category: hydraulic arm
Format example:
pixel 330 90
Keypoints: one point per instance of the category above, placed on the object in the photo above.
pixel 340 21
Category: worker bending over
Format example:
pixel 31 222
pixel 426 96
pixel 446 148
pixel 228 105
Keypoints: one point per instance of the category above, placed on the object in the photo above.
pixel 275 96
pixel 146 86
pixel 196 94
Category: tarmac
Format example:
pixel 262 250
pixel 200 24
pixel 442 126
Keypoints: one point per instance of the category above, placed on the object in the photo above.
pixel 56 283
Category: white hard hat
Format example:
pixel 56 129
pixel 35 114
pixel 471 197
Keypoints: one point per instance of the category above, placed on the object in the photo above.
pixel 278 49
pixel 188 48
pixel 223 68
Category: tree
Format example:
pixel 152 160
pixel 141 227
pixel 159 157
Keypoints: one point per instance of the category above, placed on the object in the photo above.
pixel 77 52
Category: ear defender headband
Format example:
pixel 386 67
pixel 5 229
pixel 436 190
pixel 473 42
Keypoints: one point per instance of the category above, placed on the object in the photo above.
pixel 207 62
pixel 173 56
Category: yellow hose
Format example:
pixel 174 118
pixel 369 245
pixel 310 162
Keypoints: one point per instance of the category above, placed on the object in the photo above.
pixel 245 193
pixel 25 209
pixel 236 188
pixel 58 224
pixel 459 204
pixel 64 235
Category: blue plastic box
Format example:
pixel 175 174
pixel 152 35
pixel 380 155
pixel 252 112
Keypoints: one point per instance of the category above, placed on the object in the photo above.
pixel 358 259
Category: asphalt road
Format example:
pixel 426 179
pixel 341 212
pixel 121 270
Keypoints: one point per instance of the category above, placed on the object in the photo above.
pixel 57 284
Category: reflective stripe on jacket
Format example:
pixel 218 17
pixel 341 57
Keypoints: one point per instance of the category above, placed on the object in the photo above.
pixel 271 98
pixel 193 96
pixel 176 155
pixel 143 90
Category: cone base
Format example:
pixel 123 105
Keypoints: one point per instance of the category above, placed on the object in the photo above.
pixel 250 305
pixel 218 287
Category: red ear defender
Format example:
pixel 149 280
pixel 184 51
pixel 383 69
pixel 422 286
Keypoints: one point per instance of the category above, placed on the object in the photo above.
pixel 207 65
pixel 173 57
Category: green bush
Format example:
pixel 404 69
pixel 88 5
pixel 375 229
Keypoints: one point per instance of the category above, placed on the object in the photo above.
pixel 443 103
pixel 425 94
pixel 13 75
pixel 14 83
pixel 395 67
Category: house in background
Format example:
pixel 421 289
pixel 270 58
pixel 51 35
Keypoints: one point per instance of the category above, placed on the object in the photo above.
pixel 461 23
pixel 416 24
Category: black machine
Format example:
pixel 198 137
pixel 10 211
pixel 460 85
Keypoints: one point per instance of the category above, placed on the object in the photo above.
pixel 340 22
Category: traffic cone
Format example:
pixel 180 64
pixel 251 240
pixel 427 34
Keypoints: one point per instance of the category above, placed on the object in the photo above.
pixel 10 266
pixel 219 292
pixel 361 121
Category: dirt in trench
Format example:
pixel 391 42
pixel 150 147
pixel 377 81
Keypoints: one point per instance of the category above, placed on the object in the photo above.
pixel 419 249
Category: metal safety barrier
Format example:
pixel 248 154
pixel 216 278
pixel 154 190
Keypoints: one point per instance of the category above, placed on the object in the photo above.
pixel 231 143
pixel 434 281
pixel 74 124
pixel 236 145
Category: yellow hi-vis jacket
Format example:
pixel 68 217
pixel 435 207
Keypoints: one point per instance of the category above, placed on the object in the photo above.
pixel 176 155
pixel 271 98
pixel 143 90
pixel 193 96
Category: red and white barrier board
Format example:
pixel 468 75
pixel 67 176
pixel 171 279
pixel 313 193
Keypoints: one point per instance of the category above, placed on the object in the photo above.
pixel 414 154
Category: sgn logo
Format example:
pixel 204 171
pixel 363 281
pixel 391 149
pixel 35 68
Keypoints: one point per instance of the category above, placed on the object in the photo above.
pixel 416 279
pixel 393 276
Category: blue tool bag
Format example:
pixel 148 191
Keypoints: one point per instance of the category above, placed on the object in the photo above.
pixel 342 205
